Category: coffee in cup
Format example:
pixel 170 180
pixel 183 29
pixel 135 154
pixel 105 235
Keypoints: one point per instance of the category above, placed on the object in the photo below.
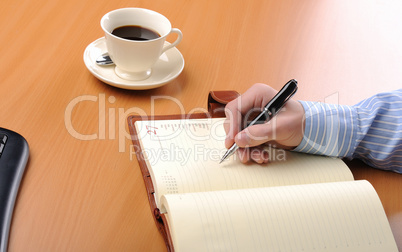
pixel 135 32
pixel 135 39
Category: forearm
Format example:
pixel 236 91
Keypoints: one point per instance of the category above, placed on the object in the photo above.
pixel 371 130
pixel 329 130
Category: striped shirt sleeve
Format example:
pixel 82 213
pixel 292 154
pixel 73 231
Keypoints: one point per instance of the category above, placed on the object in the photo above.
pixel 371 130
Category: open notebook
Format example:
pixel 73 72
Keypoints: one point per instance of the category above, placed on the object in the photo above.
pixel 297 202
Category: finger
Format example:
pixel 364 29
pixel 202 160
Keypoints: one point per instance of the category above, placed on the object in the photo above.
pixel 285 129
pixel 254 135
pixel 259 155
pixel 241 109
pixel 256 97
pixel 256 154
pixel 231 130
pixel 243 155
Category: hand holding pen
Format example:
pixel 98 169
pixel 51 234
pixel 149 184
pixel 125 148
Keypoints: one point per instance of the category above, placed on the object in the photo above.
pixel 284 129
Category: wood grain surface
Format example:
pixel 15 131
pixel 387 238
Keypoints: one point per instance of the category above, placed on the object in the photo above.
pixel 83 190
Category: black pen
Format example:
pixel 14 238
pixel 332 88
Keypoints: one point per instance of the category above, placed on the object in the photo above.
pixel 269 111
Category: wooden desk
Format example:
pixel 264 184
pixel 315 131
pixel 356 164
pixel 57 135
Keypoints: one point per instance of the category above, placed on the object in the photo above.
pixel 88 195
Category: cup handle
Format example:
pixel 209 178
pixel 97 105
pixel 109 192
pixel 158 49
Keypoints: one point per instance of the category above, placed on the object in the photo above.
pixel 179 37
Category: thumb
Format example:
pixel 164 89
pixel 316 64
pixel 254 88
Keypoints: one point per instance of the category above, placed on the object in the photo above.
pixel 254 135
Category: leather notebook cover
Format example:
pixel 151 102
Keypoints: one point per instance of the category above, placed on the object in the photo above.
pixel 216 104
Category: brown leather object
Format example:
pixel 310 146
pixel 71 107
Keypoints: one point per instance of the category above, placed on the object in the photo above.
pixel 216 104
pixel 217 101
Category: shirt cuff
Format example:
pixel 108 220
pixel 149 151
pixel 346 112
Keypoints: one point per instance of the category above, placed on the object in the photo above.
pixel 330 129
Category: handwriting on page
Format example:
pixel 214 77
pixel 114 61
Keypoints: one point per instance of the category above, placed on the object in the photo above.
pixel 152 132
pixel 189 152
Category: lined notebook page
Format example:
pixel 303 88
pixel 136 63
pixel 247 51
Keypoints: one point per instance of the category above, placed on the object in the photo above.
pixel 183 156
pixel 338 216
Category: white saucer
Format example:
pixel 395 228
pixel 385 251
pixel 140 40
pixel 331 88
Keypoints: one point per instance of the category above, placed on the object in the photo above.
pixel 168 67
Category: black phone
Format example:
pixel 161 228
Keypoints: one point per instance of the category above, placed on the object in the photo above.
pixel 14 153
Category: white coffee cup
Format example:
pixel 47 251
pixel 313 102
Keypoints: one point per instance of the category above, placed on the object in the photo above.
pixel 133 58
